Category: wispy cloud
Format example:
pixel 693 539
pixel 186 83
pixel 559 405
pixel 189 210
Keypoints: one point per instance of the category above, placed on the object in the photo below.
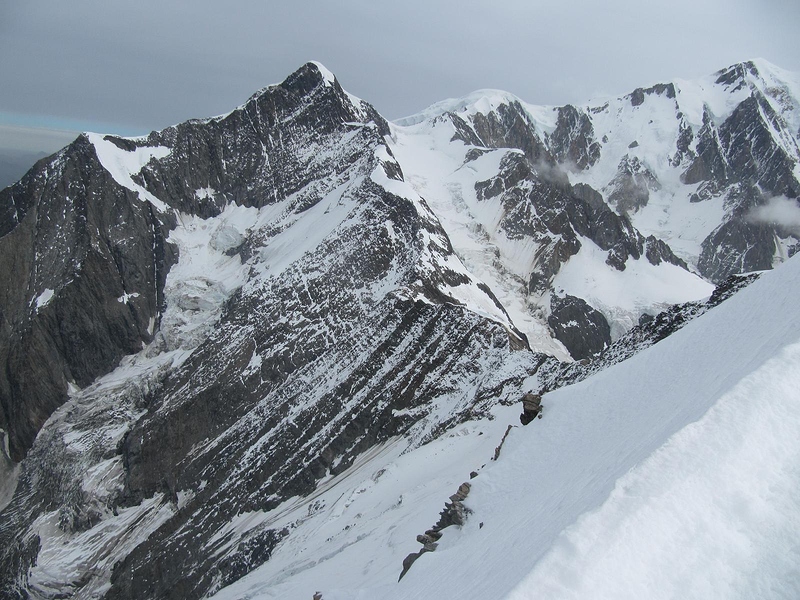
pixel 45 133
pixel 781 211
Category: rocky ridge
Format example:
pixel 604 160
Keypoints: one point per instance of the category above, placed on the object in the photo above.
pixel 269 371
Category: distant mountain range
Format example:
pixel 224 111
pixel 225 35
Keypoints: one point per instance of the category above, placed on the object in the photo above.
pixel 14 164
pixel 208 329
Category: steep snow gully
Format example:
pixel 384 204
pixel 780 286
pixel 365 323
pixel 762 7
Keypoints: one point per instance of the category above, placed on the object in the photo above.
pixel 260 355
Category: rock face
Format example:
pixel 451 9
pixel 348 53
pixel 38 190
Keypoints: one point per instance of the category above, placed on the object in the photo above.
pixel 454 513
pixel 557 218
pixel 84 265
pixel 201 325
pixel 270 370
pixel 531 407
pixel 630 188
pixel 93 254
pixel 573 141
pixel 582 329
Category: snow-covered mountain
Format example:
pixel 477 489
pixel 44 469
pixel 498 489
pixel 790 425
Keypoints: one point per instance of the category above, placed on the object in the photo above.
pixel 555 254
pixel 637 483
pixel 275 341
pixel 711 167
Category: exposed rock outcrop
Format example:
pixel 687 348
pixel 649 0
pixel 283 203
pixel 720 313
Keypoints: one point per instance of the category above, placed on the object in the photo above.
pixel 454 513
pixel 582 329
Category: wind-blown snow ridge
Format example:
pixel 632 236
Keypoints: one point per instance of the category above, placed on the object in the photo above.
pixel 714 510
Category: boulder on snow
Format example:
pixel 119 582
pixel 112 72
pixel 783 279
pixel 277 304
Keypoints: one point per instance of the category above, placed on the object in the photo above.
pixel 531 407
pixel 409 560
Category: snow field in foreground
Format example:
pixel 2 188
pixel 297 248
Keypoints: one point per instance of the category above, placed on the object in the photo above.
pixel 672 474
pixel 714 513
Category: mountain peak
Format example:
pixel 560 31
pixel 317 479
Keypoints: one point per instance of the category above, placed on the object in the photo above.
pixel 755 68
pixel 308 77
pixel 736 72
pixel 313 70
pixel 326 74
pixel 483 101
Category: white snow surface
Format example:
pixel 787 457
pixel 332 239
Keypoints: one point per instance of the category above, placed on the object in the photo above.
pixel 655 127
pixel 44 298
pixel 622 296
pixel 434 166
pixel 122 164
pixel 205 276
pixel 672 474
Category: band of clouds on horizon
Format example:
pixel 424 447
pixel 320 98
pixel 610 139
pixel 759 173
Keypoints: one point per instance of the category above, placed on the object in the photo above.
pixel 155 64
pixel 44 133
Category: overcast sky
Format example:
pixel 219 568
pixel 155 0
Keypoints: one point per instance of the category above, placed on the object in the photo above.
pixel 131 67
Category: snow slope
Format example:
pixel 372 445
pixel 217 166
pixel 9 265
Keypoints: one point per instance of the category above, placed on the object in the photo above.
pixel 435 164
pixel 122 165
pixel 672 474
pixel 434 167
pixel 659 131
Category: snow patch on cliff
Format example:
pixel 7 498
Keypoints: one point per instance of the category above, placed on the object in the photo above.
pixel 123 164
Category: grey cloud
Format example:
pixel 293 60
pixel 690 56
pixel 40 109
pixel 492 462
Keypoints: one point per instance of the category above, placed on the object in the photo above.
pixel 150 64
pixel 30 139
